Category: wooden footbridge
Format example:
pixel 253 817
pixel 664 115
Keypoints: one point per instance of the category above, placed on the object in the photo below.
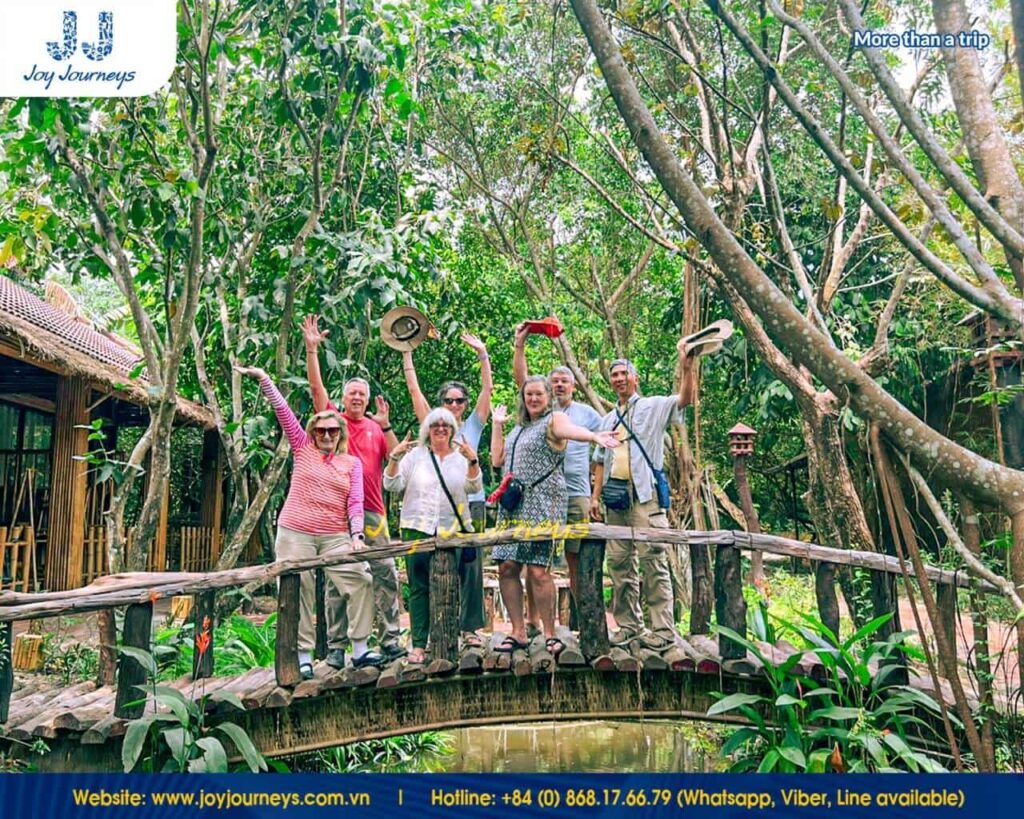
pixel 284 715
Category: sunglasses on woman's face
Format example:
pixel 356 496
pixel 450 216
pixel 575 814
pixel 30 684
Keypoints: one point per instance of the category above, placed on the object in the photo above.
pixel 326 432
pixel 434 427
pixel 455 400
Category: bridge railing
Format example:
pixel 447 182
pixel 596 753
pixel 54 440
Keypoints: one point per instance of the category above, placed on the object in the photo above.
pixel 139 591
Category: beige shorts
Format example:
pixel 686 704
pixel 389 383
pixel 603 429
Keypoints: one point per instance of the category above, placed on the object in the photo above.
pixel 578 511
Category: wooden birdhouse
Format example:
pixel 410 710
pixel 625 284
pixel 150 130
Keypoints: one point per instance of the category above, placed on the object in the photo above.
pixel 741 440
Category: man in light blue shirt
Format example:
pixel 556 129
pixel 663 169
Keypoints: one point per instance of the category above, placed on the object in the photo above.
pixel 640 421
pixel 577 453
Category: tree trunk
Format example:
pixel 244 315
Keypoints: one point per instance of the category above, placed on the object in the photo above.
pixel 833 500
pixel 807 346
pixel 986 145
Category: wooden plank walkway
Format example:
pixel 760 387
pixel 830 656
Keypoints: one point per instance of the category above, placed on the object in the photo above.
pixel 485 687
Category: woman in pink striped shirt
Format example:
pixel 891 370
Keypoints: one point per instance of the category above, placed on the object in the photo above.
pixel 323 512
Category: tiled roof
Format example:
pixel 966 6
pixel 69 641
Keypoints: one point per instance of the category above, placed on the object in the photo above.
pixel 46 333
pixel 17 301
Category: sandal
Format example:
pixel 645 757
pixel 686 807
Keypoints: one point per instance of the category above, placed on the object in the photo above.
pixel 510 644
pixel 470 639
pixel 306 671
pixel 417 656
pixel 554 646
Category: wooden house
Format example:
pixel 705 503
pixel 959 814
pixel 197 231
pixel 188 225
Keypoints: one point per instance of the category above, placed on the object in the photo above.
pixel 58 375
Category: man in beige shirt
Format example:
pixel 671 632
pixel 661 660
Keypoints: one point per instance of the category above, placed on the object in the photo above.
pixel 640 421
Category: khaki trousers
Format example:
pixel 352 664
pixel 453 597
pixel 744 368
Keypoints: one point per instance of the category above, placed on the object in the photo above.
pixel 623 557
pixel 385 593
pixel 350 581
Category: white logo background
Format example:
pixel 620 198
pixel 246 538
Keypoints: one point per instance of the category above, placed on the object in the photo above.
pixel 141 61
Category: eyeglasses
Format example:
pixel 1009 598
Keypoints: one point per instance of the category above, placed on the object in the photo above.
pixel 439 426
pixel 326 432
pixel 455 400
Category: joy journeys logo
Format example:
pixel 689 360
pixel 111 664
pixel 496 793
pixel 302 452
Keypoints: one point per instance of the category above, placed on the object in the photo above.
pixel 103 48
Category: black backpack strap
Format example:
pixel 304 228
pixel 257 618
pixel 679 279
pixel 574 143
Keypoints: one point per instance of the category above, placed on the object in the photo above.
pixel 447 494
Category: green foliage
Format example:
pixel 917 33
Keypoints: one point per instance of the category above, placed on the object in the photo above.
pixel 178 736
pixel 781 600
pixel 860 719
pixel 239 645
pixel 11 762
pixel 410 753
pixel 71 661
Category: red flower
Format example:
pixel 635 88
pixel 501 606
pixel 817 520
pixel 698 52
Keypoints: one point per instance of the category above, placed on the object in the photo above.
pixel 203 638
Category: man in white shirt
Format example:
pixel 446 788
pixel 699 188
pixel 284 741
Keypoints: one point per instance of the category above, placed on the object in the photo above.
pixel 640 421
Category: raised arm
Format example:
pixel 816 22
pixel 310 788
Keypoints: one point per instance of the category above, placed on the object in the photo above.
pixel 396 472
pixel 420 405
pixel 355 499
pixel 383 417
pixel 285 417
pixel 314 338
pixel 519 369
pixel 483 403
pixel 499 415
pixel 688 388
pixel 561 428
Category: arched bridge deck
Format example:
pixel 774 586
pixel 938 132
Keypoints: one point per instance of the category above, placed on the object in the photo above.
pixel 285 715
pixel 338 707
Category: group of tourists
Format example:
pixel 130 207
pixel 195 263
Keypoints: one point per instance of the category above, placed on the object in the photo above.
pixel 345 458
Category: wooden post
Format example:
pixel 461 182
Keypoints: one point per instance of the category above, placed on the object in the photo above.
pixel 320 650
pixel 212 510
pixel 730 607
pixel 106 671
pixel 68 485
pixel 741 440
pixel 825 594
pixel 6 669
pixel 703 589
pixel 444 606
pixel 138 624
pixel 204 610
pixel 286 654
pixel 590 600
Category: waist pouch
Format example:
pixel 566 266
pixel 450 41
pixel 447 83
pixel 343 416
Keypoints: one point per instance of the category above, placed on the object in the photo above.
pixel 617 494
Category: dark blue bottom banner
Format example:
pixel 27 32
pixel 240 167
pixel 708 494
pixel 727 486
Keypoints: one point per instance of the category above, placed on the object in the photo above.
pixel 297 796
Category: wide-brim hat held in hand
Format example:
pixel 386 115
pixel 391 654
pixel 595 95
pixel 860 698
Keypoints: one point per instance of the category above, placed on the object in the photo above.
pixel 405 328
pixel 709 340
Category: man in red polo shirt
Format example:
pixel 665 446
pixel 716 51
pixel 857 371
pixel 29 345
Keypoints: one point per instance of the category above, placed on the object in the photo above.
pixel 370 439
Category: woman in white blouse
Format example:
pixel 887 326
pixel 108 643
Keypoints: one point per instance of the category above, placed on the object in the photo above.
pixel 435 473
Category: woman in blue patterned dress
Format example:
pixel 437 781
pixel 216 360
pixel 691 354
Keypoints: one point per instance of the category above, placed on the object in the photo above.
pixel 534 453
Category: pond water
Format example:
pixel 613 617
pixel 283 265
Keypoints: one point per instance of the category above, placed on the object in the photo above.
pixel 651 746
